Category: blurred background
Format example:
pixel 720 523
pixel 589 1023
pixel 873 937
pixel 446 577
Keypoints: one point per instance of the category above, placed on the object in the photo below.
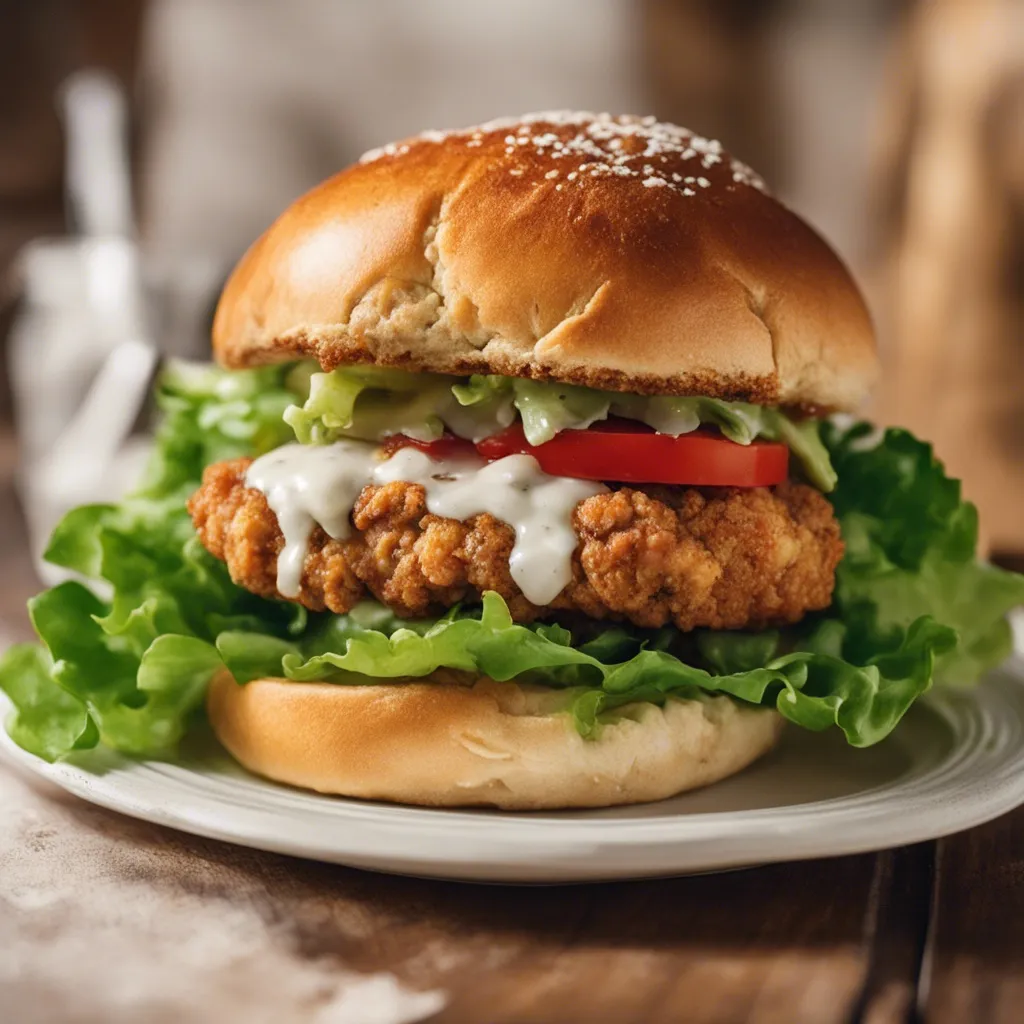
pixel 895 127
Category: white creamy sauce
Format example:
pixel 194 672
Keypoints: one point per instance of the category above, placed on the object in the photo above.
pixel 306 485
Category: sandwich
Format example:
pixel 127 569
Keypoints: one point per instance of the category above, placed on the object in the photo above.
pixel 523 481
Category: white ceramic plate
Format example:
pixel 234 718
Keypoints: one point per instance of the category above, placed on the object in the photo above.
pixel 956 761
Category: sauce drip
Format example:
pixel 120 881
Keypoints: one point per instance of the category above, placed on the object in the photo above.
pixel 306 485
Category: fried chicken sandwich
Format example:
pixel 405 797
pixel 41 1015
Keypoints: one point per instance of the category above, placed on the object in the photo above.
pixel 519 486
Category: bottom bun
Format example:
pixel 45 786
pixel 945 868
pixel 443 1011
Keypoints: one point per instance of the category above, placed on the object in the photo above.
pixel 505 745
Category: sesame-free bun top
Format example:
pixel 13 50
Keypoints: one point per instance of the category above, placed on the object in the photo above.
pixel 615 252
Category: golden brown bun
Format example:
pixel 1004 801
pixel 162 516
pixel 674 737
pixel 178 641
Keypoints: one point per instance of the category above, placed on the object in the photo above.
pixel 613 252
pixel 497 744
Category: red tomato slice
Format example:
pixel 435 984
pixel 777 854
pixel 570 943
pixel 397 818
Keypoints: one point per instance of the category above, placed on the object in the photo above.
pixel 629 452
pixel 445 447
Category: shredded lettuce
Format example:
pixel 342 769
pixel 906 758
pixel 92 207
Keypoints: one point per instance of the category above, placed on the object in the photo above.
pixel 545 408
pixel 131 670
pixel 370 403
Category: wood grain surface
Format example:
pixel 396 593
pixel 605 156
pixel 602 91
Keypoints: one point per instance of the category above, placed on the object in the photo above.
pixel 105 920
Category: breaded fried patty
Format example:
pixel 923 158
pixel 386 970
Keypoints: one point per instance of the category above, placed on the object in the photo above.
pixel 717 558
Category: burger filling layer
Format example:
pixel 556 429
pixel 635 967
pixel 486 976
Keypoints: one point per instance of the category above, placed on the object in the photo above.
pixel 619 548
pixel 492 483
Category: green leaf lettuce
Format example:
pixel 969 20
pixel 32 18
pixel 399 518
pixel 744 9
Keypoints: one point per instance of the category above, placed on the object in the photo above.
pixel 130 669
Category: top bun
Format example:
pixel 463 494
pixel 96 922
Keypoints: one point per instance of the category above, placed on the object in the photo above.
pixel 615 252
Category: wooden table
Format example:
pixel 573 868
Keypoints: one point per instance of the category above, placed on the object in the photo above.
pixel 108 920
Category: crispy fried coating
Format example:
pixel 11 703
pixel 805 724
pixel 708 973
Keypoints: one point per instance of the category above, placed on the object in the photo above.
pixel 720 558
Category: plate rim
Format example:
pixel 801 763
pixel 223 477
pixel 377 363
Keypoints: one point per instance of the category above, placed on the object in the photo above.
pixel 949 797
